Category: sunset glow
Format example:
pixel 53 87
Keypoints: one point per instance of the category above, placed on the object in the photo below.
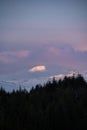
pixel 37 68
pixel 38 36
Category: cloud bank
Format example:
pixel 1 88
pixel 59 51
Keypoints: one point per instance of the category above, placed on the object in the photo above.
pixel 11 56
pixel 37 68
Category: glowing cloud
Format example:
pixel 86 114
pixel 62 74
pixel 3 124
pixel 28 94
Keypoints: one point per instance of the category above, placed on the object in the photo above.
pixel 37 68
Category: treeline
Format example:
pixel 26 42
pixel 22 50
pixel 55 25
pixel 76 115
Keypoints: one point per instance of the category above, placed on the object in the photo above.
pixel 56 105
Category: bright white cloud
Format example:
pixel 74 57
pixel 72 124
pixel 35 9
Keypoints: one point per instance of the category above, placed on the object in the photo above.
pixel 37 68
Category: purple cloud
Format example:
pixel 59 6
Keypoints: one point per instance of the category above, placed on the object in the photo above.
pixel 12 56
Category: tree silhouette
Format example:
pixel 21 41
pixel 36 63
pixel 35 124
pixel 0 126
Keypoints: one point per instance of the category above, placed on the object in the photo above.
pixel 56 105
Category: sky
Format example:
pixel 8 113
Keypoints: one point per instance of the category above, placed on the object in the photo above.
pixel 42 37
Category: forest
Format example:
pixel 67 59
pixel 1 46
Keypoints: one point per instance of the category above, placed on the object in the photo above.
pixel 56 105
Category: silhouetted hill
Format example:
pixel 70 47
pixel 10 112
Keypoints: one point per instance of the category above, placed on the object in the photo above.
pixel 56 105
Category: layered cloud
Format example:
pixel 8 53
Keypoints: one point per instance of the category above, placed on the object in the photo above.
pixel 37 68
pixel 20 54
pixel 53 56
pixel 11 56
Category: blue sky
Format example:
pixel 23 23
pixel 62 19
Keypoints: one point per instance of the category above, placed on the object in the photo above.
pixel 49 33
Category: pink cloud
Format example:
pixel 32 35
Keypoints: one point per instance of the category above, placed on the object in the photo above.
pixel 76 39
pixel 12 56
pixel 57 54
pixel 37 68
pixel 20 54
pixel 5 59
pixel 54 51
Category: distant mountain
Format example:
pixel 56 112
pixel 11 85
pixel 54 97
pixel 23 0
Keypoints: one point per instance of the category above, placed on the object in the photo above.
pixel 28 83
pixel 10 85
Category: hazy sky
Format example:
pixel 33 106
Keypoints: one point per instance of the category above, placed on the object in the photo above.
pixel 49 35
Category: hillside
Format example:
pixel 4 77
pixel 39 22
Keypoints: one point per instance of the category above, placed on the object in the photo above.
pixel 55 105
